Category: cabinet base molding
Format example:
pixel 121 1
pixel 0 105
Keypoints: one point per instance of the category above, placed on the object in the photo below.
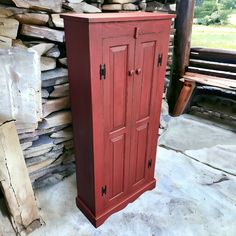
pixel 97 221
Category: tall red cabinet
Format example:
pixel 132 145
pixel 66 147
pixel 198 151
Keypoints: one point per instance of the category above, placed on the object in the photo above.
pixel 117 66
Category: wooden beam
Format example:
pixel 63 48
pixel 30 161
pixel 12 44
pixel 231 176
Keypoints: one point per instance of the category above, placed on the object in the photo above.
pixel 15 182
pixel 183 26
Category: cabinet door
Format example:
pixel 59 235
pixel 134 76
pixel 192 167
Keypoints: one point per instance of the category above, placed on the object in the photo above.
pixel 143 113
pixel 118 56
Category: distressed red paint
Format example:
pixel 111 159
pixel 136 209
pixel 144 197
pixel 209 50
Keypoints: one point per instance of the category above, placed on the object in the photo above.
pixel 115 112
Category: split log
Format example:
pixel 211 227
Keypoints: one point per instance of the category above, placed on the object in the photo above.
pixel 61 90
pixel 30 139
pixel 76 1
pixel 63 61
pixel 22 128
pixel 39 147
pixel 9 27
pixel 5 42
pixel 130 7
pixel 46 5
pixel 53 52
pixel 40 165
pixel 5 12
pixel 47 63
pixel 56 119
pixel 112 7
pixel 53 105
pixel 14 9
pixel 121 1
pixel 42 48
pixel 32 18
pixel 24 146
pixel 57 141
pixel 54 154
pixel 15 182
pixel 42 131
pixel 47 176
pixel 42 32
pixel 45 94
pixel 18 44
pixel 69 144
pixel 64 133
pixel 54 77
pixel 82 7
pixel 66 157
pixel 57 20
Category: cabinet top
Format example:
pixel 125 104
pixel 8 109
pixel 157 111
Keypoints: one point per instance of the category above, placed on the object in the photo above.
pixel 117 17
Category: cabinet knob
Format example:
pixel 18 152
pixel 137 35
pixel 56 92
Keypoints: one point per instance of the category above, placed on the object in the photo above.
pixel 138 71
pixel 131 72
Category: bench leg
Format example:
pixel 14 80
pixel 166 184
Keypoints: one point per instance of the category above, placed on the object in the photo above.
pixel 184 97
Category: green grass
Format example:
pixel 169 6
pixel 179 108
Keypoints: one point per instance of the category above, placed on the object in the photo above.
pixel 221 37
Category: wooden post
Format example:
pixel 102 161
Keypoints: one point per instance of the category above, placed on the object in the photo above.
pixel 184 97
pixel 183 25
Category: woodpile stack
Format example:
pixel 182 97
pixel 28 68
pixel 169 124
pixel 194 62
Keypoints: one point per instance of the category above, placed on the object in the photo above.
pixel 36 24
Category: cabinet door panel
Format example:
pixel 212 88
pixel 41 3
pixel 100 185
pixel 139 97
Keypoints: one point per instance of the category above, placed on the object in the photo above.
pixel 144 92
pixel 119 59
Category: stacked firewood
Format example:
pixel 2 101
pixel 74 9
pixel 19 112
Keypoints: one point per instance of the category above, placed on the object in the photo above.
pixel 48 150
pixel 36 24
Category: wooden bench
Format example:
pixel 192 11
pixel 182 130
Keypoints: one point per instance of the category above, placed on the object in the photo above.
pixel 210 67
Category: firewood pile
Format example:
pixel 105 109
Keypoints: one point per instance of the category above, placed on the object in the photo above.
pixel 36 24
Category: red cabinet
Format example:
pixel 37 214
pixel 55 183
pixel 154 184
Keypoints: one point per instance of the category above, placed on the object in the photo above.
pixel 116 68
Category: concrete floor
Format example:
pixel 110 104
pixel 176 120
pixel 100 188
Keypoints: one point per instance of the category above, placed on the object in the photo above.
pixel 195 194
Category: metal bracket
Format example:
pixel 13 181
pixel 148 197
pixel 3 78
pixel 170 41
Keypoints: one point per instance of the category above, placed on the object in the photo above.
pixel 159 60
pixel 104 190
pixel 102 72
pixel 149 163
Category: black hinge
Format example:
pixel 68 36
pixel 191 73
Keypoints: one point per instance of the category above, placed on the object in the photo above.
pixel 104 190
pixel 159 60
pixel 149 163
pixel 102 71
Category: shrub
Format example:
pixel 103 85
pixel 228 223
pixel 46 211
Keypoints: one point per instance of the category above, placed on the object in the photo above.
pixel 213 11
